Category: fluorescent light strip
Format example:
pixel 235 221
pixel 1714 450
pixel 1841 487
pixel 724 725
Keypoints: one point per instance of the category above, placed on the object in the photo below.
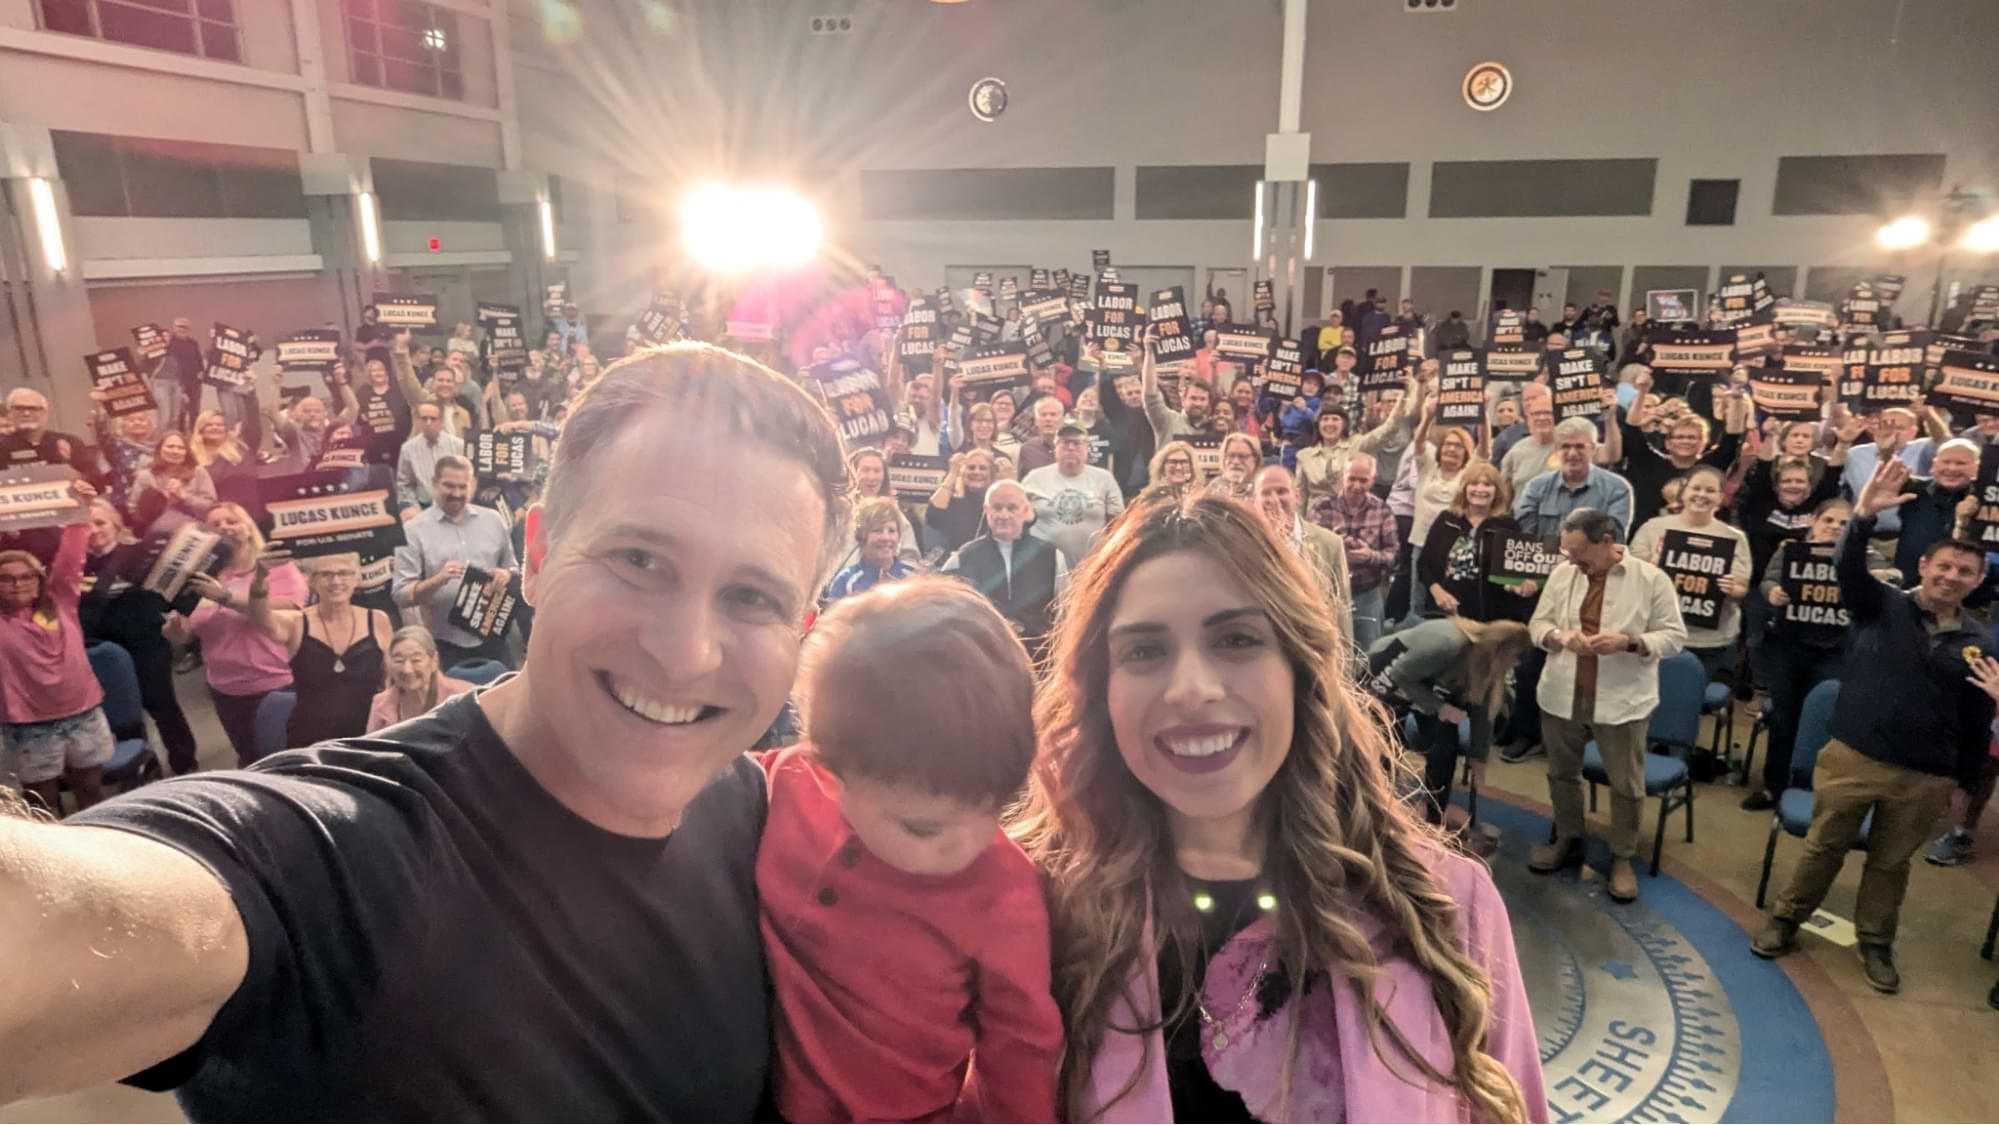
pixel 1311 215
pixel 547 229
pixel 48 225
pixel 1256 242
pixel 371 234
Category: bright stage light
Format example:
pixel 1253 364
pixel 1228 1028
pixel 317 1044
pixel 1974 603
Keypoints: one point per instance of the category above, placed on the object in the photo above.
pixel 733 229
pixel 1983 236
pixel 1904 233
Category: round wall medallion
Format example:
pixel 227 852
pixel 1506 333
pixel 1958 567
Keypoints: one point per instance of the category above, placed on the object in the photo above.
pixel 1487 86
pixel 988 99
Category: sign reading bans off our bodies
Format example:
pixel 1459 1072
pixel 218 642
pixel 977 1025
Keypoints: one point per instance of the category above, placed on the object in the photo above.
pixel 1697 564
pixel 1513 557
pixel 332 513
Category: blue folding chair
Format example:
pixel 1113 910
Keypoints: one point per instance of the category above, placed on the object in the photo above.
pixel 133 762
pixel 477 672
pixel 1675 725
pixel 274 716
pixel 1795 803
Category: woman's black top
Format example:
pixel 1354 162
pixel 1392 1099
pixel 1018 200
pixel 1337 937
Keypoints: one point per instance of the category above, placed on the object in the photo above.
pixel 1232 906
pixel 958 522
pixel 1454 557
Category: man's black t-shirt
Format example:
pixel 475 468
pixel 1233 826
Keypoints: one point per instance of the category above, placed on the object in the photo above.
pixel 432 936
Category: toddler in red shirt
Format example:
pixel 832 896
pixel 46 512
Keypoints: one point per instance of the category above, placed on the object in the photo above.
pixel 907 936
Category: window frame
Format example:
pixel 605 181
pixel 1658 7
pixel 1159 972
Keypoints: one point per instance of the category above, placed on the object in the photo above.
pixel 370 64
pixel 199 25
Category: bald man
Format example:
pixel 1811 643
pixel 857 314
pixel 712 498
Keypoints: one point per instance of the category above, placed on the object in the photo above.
pixel 1020 574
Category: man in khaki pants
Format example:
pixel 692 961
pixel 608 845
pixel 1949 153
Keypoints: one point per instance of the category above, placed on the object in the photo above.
pixel 1606 619
pixel 1911 725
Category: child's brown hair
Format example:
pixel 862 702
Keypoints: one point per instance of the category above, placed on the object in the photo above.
pixel 921 683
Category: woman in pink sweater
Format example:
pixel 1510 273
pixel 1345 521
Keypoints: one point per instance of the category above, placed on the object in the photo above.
pixel 51 723
pixel 1250 924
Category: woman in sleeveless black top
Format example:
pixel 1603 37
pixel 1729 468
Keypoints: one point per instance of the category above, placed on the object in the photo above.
pixel 337 651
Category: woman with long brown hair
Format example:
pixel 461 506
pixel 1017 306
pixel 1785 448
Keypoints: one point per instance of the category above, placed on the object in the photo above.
pixel 173 489
pixel 1248 923
pixel 1451 670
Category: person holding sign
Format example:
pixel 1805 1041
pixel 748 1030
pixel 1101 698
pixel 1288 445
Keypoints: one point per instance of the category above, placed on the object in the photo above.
pixel 118 606
pixel 1606 620
pixel 1709 563
pixel 52 725
pixel 1912 724
pixel 1803 639
pixel 242 664
pixel 337 650
pixel 450 537
pixel 1452 566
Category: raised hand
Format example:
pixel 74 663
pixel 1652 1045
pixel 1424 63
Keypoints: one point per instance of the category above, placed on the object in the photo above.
pixel 1884 489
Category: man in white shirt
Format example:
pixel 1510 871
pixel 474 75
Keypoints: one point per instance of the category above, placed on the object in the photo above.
pixel 1606 619
pixel 1073 499
pixel 416 465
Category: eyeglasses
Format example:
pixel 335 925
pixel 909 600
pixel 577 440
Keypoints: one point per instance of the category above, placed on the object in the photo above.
pixel 28 409
pixel 1181 461
pixel 18 580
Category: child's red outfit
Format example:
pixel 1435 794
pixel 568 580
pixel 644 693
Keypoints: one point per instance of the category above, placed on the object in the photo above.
pixel 891 986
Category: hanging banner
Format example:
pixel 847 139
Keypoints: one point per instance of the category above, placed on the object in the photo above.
pixel 1880 376
pixel 410 310
pixel 483 606
pixel 229 361
pixel 309 350
pixel 1692 353
pixel 170 560
pixel 1172 336
pixel 1967 385
pixel 914 478
pixel 1697 564
pixel 1512 556
pixel 1284 373
pixel 1813 610
pixel 1576 379
pixel 332 512
pixel 1516 364
pixel 151 340
pixel 37 496
pixel 1387 359
pixel 1786 394
pixel 113 373
pixel 1461 388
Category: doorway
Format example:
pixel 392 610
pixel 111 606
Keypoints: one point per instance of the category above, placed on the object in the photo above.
pixel 1512 289
pixel 1233 281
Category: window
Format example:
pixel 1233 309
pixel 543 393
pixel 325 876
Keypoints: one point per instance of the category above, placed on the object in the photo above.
pixel 404 45
pixel 151 178
pixel 1711 203
pixel 192 27
pixel 1854 185
pixel 1513 189
pixel 988 194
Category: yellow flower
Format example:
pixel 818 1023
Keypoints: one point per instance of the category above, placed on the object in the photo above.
pixel 1972 654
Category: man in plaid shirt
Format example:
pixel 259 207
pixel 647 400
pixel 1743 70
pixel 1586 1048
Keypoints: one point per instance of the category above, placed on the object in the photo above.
pixel 1367 525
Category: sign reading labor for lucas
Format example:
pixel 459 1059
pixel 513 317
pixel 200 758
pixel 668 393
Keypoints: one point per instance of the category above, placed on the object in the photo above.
pixel 483 606
pixel 37 496
pixel 1813 609
pixel 1697 564
pixel 332 512
pixel 229 365
pixel 1513 557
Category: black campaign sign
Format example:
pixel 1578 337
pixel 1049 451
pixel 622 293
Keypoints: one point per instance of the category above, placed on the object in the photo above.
pixel 170 560
pixel 1786 394
pixel 1461 387
pixel 1814 359
pixel 1735 301
pixel 1577 383
pixel 1813 609
pixel 912 477
pixel 506 348
pixel 124 391
pixel 1387 359
pixel 1284 374
pixel 1883 375
pixel 854 396
pixel 1984 524
pixel 229 365
pixel 1263 298
pixel 1513 364
pixel 407 311
pixel 332 512
pixel 1116 316
pixel 483 606
pixel 1513 556
pixel 1042 306
pixel 1509 326
pixel 511 453
pixel 919 330
pixel 1172 338
pixel 1694 353
pixel 37 496
pixel 1697 563
pixel 151 340
pixel 1967 384
pixel 309 349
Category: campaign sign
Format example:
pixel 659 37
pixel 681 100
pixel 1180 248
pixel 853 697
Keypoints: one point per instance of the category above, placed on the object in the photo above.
pixel 656 324
pixel 1984 524
pixel 407 310
pixel 1513 556
pixel 1814 611
pixel 1043 306
pixel 37 496
pixel 1967 385
pixel 331 512
pixel 750 330
pixel 854 396
pixel 1100 260
pixel 1116 316
pixel 1009 288
pixel 151 340
pixel 1461 387
pixel 1735 301
pixel 1754 341
pixel 1670 306
pixel 1697 563
pixel 229 366
pixel 1172 336
pixel 1882 375
pixel 1783 393
pixel 1284 372
pixel 1264 300
pixel 1576 379
pixel 1517 364
pixel 919 330
pixel 1693 353
pixel 985 329
pixel 983 281
pixel 1207 455
pixel 506 348
pixel 553 298
pixel 912 477
pixel 309 349
pixel 1244 343
pixel 1387 359
pixel 945 303
pixel 1509 326
pixel 1815 359
pixel 483 606
pixel 1079 287
pixel 884 298
pixel 1039 354
pixel 171 560
pixel 495 453
pixel 1804 314
pixel 124 391
pixel 1862 307
pixel 1938 343
pixel 1039 279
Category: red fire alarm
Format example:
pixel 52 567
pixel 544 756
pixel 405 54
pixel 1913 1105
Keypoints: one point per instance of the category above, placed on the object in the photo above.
pixel 436 244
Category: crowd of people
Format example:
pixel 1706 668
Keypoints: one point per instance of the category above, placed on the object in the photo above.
pixel 1145 636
